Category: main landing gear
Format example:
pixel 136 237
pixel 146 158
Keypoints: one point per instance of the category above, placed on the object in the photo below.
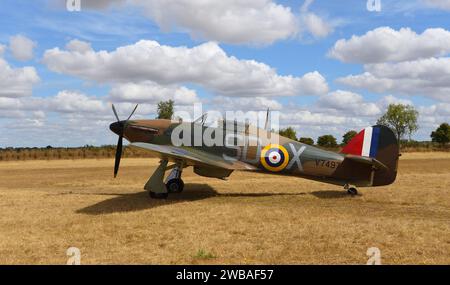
pixel 174 184
pixel 351 189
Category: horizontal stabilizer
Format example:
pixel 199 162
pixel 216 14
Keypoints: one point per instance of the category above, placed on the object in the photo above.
pixel 367 160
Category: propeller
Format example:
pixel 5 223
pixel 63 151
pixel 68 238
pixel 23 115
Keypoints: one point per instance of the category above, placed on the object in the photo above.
pixel 267 119
pixel 121 128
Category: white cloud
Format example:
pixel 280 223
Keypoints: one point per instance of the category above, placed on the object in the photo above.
pixel 311 118
pixel 348 103
pixel 21 47
pixel 390 99
pixel 232 21
pixel 257 22
pixel 75 102
pixel 430 117
pixel 16 82
pixel 150 92
pixel 440 109
pixel 426 77
pixel 385 44
pixel 207 65
pixel 245 103
pixel 78 46
pixel 312 23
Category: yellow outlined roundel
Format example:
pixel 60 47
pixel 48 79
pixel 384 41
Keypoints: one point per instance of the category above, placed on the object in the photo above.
pixel 274 157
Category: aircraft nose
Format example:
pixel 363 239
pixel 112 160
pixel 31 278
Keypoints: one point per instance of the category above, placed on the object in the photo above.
pixel 116 128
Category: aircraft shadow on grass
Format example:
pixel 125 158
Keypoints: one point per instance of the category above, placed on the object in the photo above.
pixel 192 192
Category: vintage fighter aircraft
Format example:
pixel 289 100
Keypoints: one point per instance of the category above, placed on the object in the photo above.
pixel 369 159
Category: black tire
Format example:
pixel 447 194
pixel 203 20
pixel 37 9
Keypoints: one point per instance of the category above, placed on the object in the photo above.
pixel 158 195
pixel 175 185
pixel 352 191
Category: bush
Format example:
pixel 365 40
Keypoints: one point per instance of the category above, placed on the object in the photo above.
pixel 327 141
pixel 309 141
pixel 347 137
pixel 289 132
pixel 441 134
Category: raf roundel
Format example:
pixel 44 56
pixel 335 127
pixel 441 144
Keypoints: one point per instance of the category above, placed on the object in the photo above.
pixel 274 157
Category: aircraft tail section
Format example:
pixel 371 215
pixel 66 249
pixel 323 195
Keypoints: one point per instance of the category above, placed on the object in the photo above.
pixel 377 142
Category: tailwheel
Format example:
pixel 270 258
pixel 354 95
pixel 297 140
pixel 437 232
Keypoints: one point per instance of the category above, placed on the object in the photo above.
pixel 175 185
pixel 155 195
pixel 352 191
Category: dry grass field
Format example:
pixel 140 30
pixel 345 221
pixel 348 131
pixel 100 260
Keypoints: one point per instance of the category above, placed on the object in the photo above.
pixel 48 206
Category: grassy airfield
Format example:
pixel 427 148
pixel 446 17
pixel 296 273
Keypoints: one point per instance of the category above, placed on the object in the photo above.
pixel 48 206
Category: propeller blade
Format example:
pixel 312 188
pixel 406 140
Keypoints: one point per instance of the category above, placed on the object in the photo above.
pixel 115 113
pixel 267 119
pixel 118 155
pixel 132 112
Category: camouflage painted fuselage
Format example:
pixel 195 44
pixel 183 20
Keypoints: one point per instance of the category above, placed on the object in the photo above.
pixel 266 151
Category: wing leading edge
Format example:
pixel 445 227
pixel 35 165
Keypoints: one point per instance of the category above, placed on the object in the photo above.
pixel 194 157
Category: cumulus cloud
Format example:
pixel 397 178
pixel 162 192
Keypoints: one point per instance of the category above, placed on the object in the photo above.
pixel 16 82
pixel 314 24
pixel 75 102
pixel 426 77
pixel 150 92
pixel 245 103
pixel 390 99
pixel 207 65
pixel 21 47
pixel 385 44
pixel 257 22
pixel 349 103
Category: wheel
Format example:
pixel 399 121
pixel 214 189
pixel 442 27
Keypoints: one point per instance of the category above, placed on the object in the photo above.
pixel 352 191
pixel 175 185
pixel 158 195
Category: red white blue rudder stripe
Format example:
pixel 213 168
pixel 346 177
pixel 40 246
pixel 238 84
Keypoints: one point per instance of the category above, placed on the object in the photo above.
pixel 365 143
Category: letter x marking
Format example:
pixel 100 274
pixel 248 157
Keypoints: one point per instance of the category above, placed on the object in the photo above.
pixel 296 157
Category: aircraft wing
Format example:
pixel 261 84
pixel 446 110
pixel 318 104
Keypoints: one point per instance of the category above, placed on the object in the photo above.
pixel 194 157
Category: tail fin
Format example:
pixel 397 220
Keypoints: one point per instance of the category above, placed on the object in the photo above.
pixel 380 143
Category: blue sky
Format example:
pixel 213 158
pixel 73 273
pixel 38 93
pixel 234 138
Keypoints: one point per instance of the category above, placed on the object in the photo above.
pixel 289 44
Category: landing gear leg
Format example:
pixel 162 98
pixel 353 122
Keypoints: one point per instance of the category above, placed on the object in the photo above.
pixel 174 184
pixel 155 185
pixel 351 189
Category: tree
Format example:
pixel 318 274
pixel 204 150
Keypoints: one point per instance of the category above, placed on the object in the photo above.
pixel 441 134
pixel 347 137
pixel 165 109
pixel 289 132
pixel 402 119
pixel 327 141
pixel 309 141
